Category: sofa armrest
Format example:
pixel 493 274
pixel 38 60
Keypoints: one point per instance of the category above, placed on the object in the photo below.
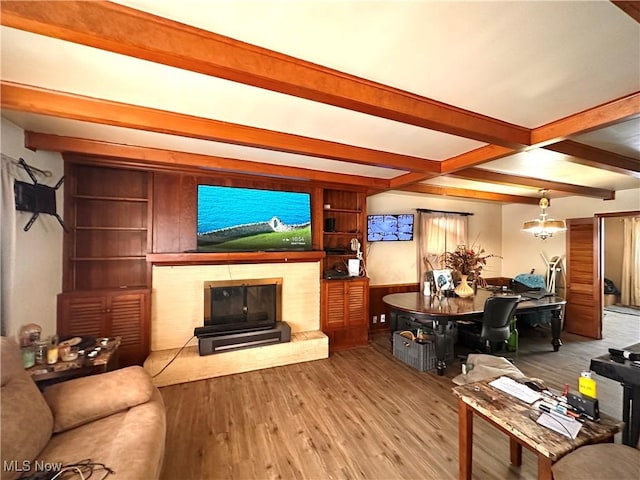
pixel 86 399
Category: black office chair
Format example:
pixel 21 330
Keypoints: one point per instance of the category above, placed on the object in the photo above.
pixel 498 312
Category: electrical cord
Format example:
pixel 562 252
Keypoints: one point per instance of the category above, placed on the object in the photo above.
pixel 66 469
pixel 534 416
pixel 84 469
pixel 229 270
pixel 174 357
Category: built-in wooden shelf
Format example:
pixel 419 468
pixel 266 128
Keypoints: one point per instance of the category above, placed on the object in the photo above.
pixel 112 229
pixel 108 258
pixel 342 210
pixel 233 257
pixel 105 198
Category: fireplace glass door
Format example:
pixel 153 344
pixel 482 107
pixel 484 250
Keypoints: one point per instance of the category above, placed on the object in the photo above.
pixel 241 306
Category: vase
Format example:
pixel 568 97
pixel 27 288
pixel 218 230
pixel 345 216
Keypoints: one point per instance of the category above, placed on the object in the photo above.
pixel 463 289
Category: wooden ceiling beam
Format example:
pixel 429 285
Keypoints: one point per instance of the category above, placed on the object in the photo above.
pixel 480 175
pixel 475 157
pixel 601 116
pixel 156 156
pixel 610 113
pixel 596 157
pixel 25 98
pixel 116 28
pixel 630 7
pixel 409 178
pixel 466 193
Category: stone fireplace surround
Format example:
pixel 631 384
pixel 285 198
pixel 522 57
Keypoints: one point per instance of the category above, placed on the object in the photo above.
pixel 177 308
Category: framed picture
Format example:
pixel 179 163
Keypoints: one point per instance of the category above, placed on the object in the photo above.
pixel 443 280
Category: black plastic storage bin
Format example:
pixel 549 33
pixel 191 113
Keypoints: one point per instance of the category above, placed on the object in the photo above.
pixel 421 356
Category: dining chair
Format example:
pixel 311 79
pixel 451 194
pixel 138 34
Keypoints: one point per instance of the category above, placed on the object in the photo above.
pixel 498 312
pixel 603 460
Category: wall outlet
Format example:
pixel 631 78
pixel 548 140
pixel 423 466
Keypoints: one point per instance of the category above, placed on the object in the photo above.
pixel 383 318
pixel 375 319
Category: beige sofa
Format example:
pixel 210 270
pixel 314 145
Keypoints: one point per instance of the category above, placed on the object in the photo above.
pixel 604 460
pixel 115 418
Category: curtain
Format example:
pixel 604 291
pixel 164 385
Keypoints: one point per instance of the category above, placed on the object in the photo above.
pixel 630 284
pixel 438 233
pixel 8 239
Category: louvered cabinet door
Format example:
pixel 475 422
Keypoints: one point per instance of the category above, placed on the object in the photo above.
pixel 82 315
pixel 334 313
pixel 128 318
pixel 358 302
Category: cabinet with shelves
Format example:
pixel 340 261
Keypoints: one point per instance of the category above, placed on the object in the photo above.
pixel 344 220
pixel 106 276
pixel 109 212
pixel 344 302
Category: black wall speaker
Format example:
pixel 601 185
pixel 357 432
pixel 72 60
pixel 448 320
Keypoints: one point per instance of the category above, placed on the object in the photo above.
pixel 329 224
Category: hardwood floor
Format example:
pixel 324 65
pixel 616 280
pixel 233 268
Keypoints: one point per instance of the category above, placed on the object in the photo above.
pixel 360 414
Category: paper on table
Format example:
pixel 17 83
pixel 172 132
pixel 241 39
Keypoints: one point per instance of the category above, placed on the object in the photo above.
pixel 559 423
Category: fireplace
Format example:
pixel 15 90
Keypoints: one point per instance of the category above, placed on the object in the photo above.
pixel 241 314
pixel 242 305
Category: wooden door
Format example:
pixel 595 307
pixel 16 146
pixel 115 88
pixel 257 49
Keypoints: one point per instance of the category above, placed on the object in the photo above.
pixel 583 313
pixel 82 315
pixel 334 304
pixel 358 303
pixel 128 315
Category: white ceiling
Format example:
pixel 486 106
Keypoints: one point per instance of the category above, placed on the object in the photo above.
pixel 526 63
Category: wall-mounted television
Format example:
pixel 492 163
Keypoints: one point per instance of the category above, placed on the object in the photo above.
pixel 390 228
pixel 233 219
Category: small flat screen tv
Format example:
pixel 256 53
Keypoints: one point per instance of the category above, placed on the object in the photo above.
pixel 390 228
pixel 232 219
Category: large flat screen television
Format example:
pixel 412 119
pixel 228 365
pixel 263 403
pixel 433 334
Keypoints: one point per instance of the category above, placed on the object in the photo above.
pixel 390 228
pixel 232 219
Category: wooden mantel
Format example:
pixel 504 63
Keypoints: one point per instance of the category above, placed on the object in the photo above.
pixel 195 258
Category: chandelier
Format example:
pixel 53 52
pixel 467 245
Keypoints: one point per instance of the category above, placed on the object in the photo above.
pixel 544 227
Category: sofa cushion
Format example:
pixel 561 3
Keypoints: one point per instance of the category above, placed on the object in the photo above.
pixel 130 442
pixel 604 460
pixel 86 399
pixel 26 419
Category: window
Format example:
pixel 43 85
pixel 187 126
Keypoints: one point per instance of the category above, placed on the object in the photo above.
pixel 438 232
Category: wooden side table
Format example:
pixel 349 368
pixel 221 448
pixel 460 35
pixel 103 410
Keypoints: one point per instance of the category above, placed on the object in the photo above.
pixel 517 420
pixel 106 360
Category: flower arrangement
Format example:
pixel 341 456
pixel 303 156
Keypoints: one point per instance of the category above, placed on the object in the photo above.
pixel 467 261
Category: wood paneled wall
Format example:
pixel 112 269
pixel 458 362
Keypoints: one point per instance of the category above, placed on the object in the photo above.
pixel 377 307
pixel 175 207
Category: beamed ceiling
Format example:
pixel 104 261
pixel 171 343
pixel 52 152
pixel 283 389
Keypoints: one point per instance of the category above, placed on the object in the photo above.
pixel 487 101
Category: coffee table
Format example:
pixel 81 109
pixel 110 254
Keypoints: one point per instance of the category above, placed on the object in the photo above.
pixel 517 420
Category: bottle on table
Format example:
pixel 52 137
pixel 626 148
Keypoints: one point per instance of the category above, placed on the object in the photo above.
pixel 41 351
pixel 52 350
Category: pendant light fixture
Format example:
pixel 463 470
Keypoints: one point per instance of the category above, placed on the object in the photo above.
pixel 544 227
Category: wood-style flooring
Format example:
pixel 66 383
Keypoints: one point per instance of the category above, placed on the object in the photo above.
pixel 361 414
